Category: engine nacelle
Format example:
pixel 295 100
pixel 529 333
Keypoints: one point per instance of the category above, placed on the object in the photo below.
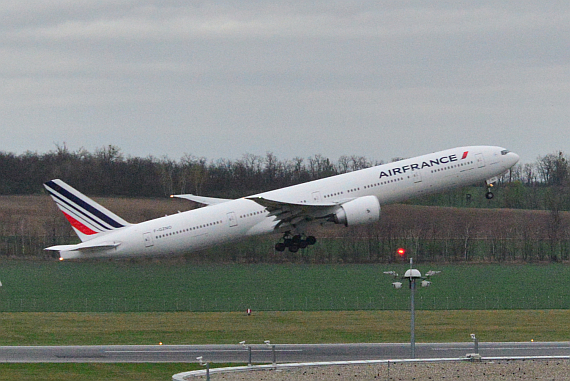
pixel 363 210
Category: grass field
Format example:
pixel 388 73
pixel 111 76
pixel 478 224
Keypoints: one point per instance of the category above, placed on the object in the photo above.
pixel 149 303
pixel 102 286
pixel 92 372
pixel 279 327
pixel 180 303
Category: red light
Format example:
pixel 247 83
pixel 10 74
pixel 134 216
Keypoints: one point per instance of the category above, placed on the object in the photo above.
pixel 401 252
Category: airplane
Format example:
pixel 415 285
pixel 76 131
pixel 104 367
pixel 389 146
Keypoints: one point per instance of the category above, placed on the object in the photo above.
pixel 347 199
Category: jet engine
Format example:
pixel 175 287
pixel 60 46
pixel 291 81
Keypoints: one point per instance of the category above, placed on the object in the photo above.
pixel 363 210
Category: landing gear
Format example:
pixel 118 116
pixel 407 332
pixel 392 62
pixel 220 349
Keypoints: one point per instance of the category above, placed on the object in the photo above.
pixel 489 195
pixel 311 240
pixel 294 243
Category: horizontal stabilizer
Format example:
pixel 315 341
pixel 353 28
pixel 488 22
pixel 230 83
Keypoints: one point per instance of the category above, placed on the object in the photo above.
pixel 202 200
pixel 82 250
pixel 84 247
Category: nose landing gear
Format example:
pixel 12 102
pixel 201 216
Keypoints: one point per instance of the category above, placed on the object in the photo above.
pixel 294 243
pixel 489 195
pixel 490 183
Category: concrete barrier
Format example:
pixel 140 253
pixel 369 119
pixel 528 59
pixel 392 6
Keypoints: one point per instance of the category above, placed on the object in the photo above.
pixel 184 376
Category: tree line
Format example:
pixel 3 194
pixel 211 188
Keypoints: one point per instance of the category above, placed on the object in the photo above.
pixel 108 172
pixel 542 184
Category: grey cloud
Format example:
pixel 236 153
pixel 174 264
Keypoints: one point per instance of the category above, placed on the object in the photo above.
pixel 296 78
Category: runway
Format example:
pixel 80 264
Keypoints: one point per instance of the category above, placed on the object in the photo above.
pixel 261 353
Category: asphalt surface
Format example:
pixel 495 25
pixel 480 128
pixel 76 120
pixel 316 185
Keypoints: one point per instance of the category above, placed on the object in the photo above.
pixel 261 353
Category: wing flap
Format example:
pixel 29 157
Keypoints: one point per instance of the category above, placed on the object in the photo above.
pixel 272 205
pixel 291 214
pixel 201 199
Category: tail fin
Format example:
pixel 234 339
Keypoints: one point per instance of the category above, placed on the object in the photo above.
pixel 87 217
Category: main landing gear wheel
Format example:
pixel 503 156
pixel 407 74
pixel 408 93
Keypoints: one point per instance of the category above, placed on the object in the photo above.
pixel 294 243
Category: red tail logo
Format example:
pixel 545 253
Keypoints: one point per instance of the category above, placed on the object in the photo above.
pixel 78 225
pixel 464 155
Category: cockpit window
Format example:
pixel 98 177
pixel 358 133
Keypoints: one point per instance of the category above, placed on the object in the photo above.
pixel 505 151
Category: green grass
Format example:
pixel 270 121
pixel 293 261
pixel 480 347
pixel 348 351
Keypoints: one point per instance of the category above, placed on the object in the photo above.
pixel 180 286
pixel 341 303
pixel 92 372
pixel 279 327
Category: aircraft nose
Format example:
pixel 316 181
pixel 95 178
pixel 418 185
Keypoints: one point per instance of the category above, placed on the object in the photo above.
pixel 512 159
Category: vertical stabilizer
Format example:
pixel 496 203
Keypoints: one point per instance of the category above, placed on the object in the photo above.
pixel 88 218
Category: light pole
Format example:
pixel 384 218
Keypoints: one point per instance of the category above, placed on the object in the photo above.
pixel 248 347
pixel 412 275
pixel 206 364
pixel 273 355
pixel 475 343
pixel 475 356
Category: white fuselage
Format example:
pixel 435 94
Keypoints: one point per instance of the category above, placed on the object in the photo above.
pixel 235 219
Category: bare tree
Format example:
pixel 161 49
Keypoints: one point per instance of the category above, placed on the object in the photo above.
pixel 553 168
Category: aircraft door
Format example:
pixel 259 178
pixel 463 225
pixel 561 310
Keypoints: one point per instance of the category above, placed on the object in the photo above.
pixel 316 196
pixel 232 219
pixel 480 160
pixel 417 176
pixel 148 242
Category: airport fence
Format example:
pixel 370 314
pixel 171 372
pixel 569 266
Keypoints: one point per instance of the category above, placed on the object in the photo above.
pixel 385 303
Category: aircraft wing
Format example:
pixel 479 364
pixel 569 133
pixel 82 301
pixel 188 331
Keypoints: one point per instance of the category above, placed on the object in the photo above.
pixel 290 214
pixel 202 200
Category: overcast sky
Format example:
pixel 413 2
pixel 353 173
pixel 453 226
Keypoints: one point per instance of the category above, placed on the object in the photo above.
pixel 219 79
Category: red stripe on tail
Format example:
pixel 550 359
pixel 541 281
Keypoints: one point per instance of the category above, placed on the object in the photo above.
pixel 78 225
